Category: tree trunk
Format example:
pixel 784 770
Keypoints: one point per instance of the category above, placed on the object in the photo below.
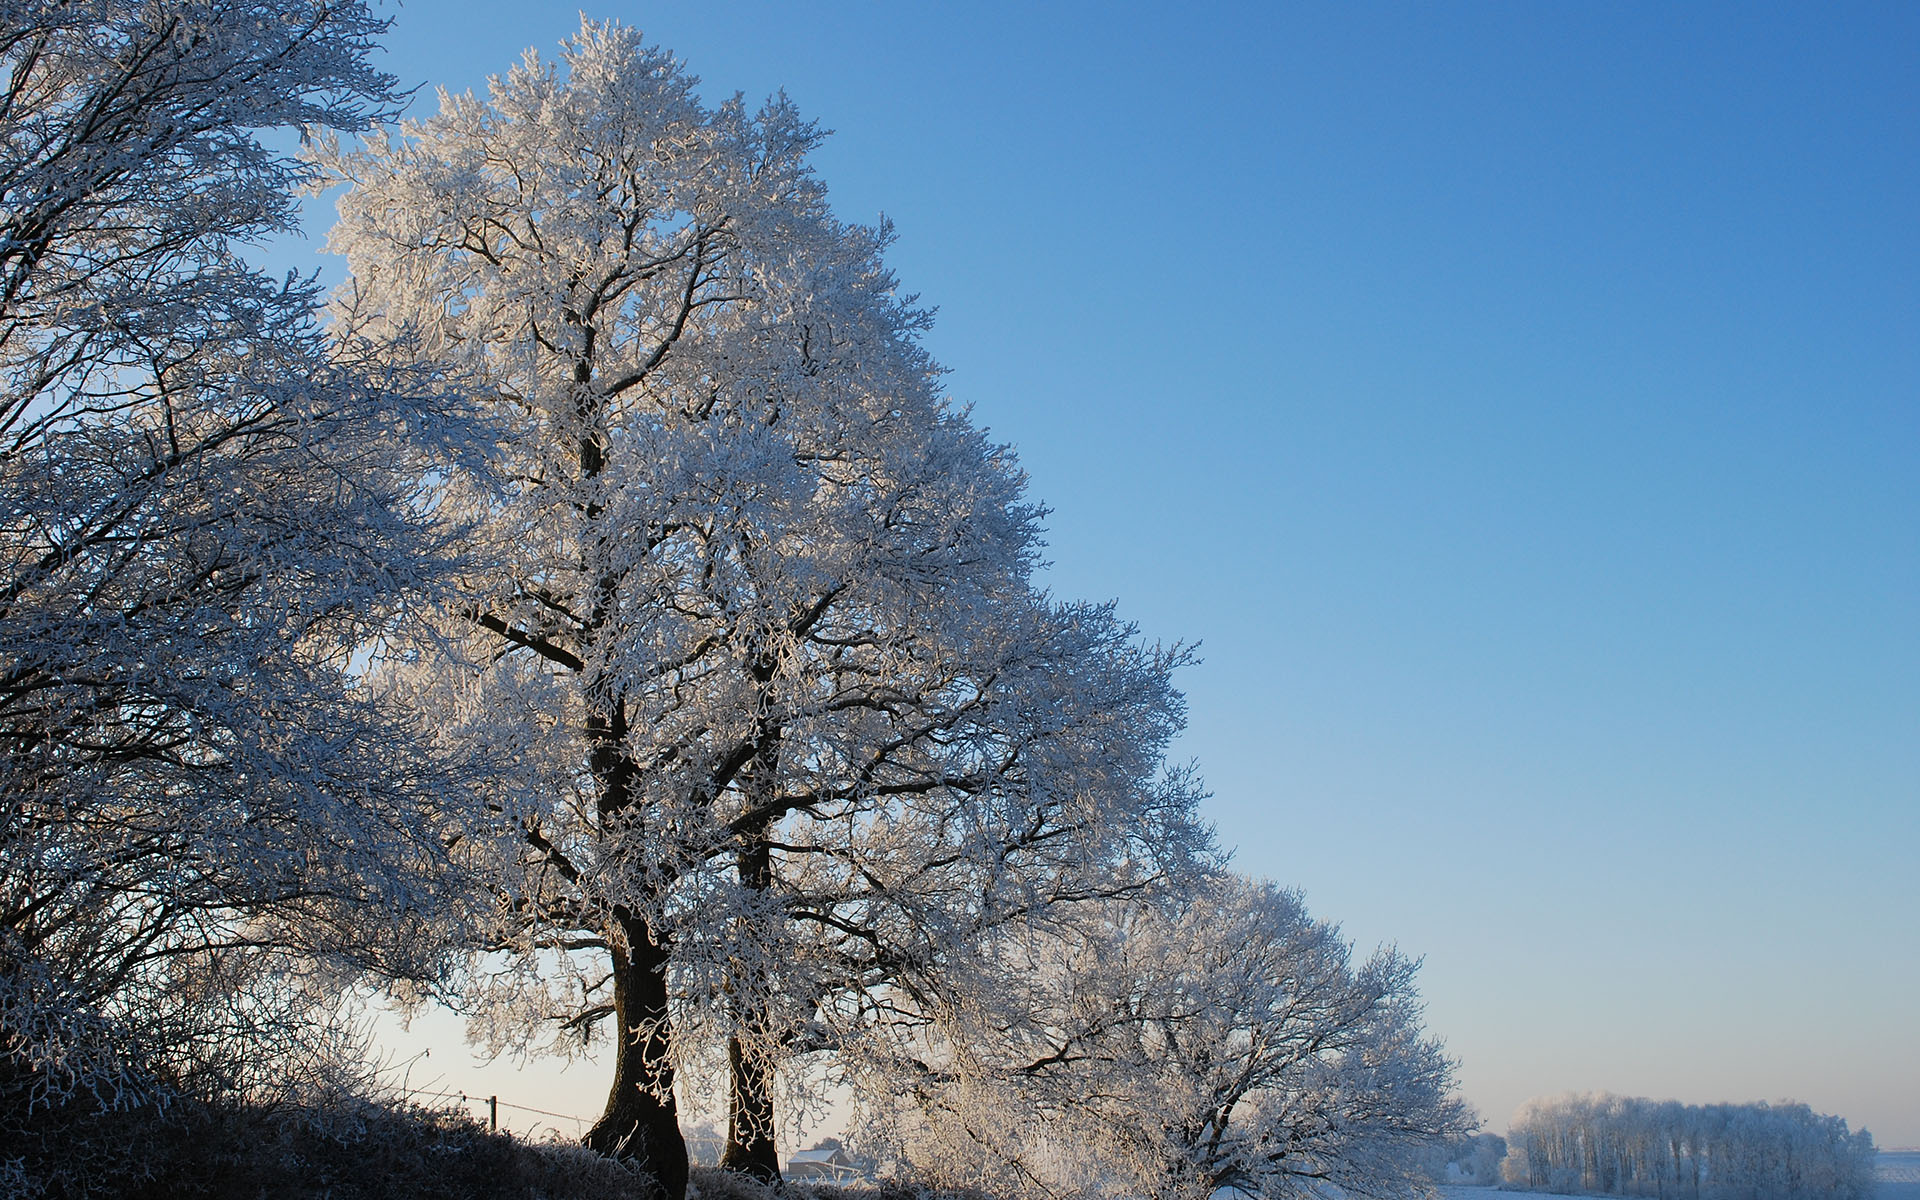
pixel 641 1124
pixel 750 1145
pixel 751 1149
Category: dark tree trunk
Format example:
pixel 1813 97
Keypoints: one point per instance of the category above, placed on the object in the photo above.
pixel 750 1134
pixel 641 1124
pixel 750 1145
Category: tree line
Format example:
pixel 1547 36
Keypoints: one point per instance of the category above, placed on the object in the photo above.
pixel 1620 1146
pixel 593 615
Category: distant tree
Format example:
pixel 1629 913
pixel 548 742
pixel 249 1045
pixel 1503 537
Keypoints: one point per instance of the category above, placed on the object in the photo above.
pixel 1614 1145
pixel 789 719
pixel 207 518
pixel 1475 1160
pixel 1222 1039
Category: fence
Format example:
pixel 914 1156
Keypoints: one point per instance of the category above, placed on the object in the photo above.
pixel 493 1105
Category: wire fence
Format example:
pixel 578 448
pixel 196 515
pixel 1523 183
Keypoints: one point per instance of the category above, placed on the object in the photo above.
pixel 494 1105
pixel 398 1075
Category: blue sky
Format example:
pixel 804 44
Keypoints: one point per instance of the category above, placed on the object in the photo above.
pixel 1521 405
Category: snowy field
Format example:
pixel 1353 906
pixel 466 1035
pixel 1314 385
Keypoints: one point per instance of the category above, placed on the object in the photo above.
pixel 1898 1172
pixel 1898 1166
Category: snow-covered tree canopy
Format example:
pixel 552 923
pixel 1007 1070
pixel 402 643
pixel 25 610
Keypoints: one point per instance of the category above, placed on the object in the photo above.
pixel 205 515
pixel 788 714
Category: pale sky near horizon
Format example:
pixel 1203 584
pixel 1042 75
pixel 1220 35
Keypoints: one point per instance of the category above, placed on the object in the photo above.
pixel 1521 405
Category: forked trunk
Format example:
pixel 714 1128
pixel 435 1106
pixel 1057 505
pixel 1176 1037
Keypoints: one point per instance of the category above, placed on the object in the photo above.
pixel 641 1124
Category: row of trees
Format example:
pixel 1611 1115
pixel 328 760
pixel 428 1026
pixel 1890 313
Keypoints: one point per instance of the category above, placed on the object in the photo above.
pixel 603 623
pixel 1616 1145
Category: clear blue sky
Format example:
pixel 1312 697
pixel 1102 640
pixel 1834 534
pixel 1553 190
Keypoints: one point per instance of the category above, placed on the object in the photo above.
pixel 1521 404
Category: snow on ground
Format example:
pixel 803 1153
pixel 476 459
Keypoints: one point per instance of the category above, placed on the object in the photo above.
pixel 1898 1166
pixel 1898 1173
pixel 1462 1192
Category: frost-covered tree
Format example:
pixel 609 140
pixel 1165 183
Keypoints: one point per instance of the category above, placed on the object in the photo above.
pixel 1207 1039
pixel 205 516
pixel 788 717
pixel 1012 819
